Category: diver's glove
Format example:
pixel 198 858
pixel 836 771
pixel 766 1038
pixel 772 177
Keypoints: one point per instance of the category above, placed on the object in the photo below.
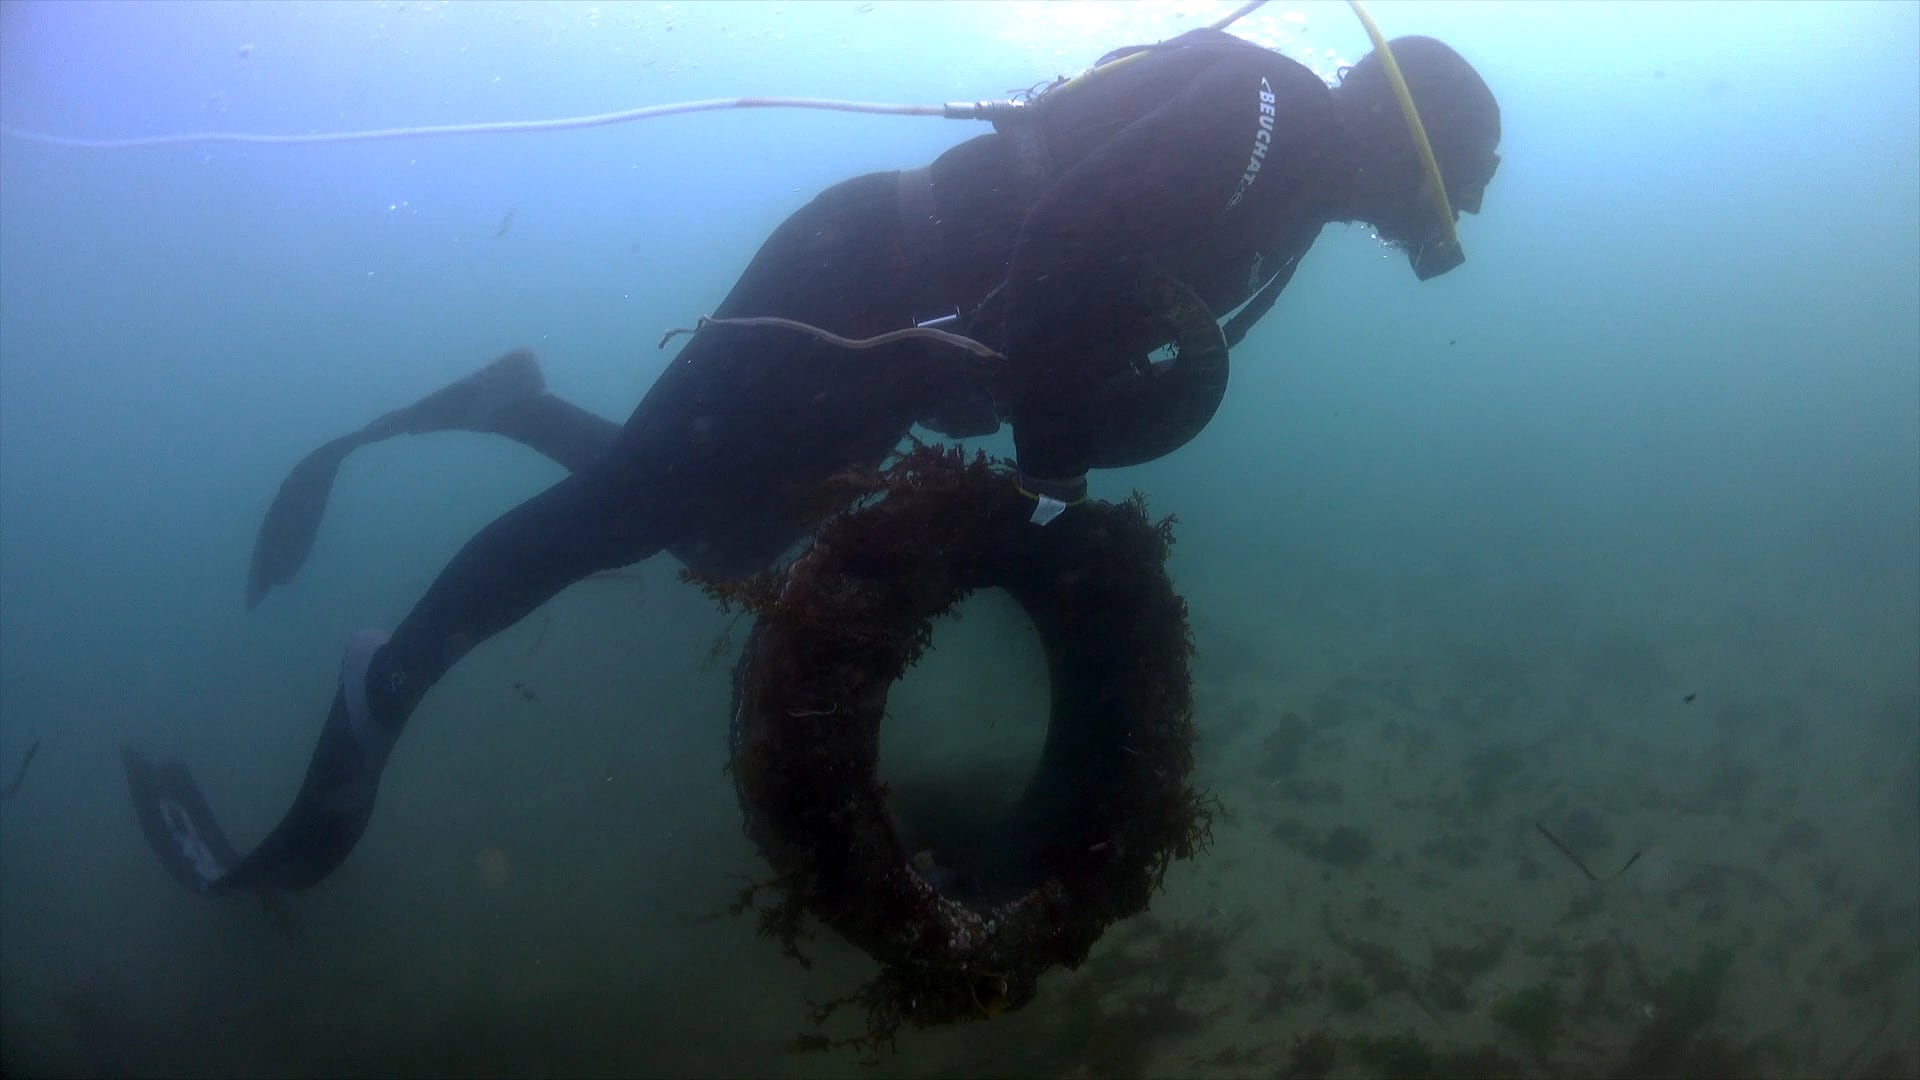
pixel 1050 496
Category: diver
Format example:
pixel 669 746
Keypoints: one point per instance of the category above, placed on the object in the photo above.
pixel 1071 243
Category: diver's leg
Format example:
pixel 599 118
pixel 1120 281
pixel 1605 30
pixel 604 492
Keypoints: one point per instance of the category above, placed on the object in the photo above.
pixel 507 397
pixel 583 524
pixel 729 443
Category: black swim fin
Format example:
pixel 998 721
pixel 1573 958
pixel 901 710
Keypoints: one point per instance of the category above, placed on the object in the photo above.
pixel 181 829
pixel 467 404
pixel 286 536
pixel 177 822
pixel 293 521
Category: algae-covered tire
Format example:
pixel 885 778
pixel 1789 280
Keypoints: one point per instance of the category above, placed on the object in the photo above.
pixel 1108 804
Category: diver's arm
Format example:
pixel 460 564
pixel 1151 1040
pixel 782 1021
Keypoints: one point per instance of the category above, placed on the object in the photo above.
pixel 1152 190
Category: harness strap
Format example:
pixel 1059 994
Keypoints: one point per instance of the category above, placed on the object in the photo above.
pixel 1261 303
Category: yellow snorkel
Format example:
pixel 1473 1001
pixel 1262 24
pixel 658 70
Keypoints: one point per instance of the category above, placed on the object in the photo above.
pixel 1450 254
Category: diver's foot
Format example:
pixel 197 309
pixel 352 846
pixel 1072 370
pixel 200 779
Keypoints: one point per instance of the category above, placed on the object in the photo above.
pixel 335 802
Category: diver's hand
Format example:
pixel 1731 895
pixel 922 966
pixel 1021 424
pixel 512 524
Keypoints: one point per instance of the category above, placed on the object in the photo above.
pixel 1050 496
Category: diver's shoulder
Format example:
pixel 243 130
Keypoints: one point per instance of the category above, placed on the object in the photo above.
pixel 1224 48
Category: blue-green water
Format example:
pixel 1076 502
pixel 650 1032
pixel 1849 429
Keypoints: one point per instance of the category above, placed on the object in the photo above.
pixel 1616 528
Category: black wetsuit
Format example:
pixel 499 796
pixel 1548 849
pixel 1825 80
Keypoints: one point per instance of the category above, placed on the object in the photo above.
pixel 1205 158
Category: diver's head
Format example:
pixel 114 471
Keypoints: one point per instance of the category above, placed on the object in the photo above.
pixel 1386 185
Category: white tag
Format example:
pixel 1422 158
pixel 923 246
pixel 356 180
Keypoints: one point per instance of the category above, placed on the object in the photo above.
pixel 1045 509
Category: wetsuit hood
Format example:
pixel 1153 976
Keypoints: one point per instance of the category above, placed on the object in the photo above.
pixel 1385 186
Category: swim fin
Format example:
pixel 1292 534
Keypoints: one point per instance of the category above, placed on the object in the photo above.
pixel 181 829
pixel 293 521
pixel 177 822
pixel 286 536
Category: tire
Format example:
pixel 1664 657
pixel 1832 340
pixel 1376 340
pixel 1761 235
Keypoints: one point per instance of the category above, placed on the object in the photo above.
pixel 1108 805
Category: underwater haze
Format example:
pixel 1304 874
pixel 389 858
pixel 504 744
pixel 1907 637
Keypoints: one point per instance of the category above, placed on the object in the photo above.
pixel 1607 541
